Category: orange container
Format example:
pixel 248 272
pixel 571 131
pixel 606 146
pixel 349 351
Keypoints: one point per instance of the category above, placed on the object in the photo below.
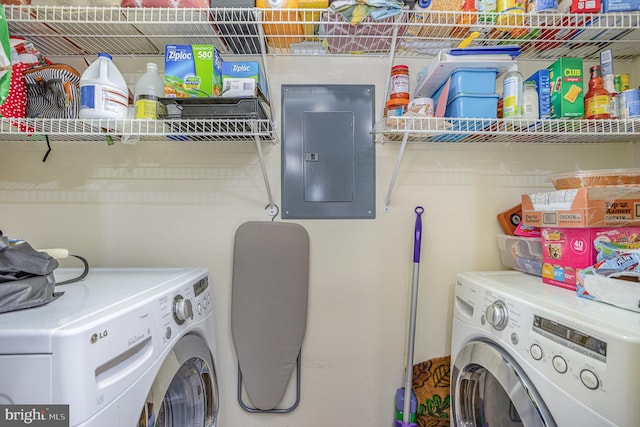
pixel 282 24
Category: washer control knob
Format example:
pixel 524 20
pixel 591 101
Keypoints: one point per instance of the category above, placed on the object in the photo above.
pixel 497 315
pixel 589 379
pixel 182 309
pixel 536 351
pixel 559 364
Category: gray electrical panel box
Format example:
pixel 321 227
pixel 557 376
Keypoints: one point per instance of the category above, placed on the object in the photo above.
pixel 328 152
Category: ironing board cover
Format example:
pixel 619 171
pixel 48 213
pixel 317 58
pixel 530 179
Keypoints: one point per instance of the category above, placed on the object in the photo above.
pixel 269 306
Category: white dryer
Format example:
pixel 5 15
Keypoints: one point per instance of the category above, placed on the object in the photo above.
pixel 122 348
pixel 529 354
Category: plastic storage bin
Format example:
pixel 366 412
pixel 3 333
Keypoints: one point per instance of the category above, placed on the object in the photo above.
pixel 480 81
pixel 470 105
pixel 521 253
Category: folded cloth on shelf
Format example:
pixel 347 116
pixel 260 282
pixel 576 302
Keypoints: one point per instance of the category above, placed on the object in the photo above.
pixel 355 11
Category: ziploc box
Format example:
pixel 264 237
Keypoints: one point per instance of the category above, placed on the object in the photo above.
pixel 541 79
pixel 192 71
pixel 240 78
pixel 566 251
pixel 567 95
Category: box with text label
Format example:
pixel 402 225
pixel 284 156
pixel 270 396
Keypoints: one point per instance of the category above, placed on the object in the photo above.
pixel 192 71
pixel 240 78
pixel 566 251
pixel 603 206
pixel 567 91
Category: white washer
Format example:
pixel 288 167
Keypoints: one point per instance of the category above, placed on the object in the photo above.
pixel 123 347
pixel 529 354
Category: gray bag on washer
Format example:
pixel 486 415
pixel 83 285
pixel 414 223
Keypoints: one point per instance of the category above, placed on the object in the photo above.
pixel 26 276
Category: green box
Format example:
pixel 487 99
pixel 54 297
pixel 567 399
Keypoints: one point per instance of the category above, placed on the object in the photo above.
pixel 192 71
pixel 567 91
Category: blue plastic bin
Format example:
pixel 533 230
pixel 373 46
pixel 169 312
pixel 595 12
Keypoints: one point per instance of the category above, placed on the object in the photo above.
pixel 470 80
pixel 473 105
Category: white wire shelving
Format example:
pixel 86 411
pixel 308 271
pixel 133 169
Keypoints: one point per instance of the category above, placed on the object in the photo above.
pixel 73 31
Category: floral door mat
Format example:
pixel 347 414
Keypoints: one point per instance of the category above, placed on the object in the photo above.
pixel 431 386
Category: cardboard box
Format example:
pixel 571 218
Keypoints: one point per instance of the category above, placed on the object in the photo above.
pixel 585 6
pixel 566 251
pixel 541 78
pixel 620 6
pixel 192 71
pixel 240 78
pixel 567 93
pixel 604 206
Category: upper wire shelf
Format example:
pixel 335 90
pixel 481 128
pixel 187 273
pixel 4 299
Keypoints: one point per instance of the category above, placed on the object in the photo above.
pixel 431 129
pixel 69 30
pixel 130 130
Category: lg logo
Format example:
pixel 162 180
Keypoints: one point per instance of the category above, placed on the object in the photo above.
pixel 98 336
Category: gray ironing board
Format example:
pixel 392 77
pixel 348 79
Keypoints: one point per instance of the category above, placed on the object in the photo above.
pixel 269 309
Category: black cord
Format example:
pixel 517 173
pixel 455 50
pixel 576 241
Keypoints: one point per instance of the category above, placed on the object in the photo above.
pixel 44 159
pixel 81 276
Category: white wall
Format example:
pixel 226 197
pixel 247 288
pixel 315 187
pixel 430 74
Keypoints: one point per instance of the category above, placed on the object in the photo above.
pixel 179 204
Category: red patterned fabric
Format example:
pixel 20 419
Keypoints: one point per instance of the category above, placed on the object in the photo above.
pixel 15 106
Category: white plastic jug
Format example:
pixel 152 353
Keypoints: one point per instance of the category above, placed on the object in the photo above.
pixel 103 91
pixel 147 91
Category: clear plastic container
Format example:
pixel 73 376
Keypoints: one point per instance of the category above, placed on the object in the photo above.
pixel 521 253
pixel 148 90
pixel 103 91
pixel 592 178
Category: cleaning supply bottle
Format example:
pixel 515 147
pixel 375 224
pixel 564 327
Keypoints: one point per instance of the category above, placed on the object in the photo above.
pixel 148 89
pixel 103 91
pixel 512 95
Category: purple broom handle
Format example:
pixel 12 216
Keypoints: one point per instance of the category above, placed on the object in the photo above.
pixel 418 234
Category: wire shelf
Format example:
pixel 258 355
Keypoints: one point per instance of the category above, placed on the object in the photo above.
pixel 69 30
pixel 431 129
pixel 129 130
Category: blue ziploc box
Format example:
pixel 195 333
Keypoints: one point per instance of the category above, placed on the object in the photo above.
pixel 240 79
pixel 542 80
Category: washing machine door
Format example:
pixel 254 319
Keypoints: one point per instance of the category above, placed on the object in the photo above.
pixel 488 388
pixel 185 391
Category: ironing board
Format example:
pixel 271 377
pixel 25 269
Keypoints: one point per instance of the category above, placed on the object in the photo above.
pixel 269 310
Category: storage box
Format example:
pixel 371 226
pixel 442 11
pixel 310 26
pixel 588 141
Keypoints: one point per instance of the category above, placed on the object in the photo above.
pixel 481 81
pixel 240 78
pixel 606 206
pixel 585 6
pixel 521 253
pixel 541 79
pixel 567 94
pixel 566 251
pixel 620 6
pixel 192 71
pixel 470 105
pixel 212 108
pixel 370 35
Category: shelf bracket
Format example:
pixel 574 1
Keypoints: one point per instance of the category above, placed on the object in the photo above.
pixel 272 208
pixel 387 199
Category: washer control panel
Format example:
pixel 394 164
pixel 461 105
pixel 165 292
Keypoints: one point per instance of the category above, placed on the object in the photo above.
pixel 190 303
pixel 551 345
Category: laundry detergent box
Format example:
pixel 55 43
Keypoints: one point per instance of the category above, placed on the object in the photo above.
pixel 240 78
pixel 192 71
pixel 567 92
pixel 541 79
pixel 566 251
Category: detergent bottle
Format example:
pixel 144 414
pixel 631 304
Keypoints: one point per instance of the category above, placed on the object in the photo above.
pixel 103 91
